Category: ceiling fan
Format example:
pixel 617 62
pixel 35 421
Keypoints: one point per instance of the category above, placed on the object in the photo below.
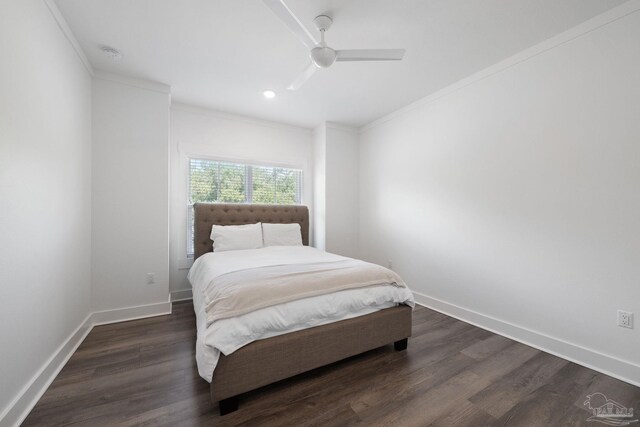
pixel 323 56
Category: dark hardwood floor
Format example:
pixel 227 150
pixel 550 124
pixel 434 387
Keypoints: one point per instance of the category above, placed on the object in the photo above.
pixel 143 372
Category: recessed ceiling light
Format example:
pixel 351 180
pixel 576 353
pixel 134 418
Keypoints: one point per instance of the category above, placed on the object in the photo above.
pixel 111 52
pixel 269 94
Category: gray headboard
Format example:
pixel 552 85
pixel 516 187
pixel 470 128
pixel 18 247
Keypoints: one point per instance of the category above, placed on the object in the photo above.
pixel 207 214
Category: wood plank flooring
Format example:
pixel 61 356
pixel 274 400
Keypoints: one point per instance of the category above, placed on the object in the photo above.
pixel 143 372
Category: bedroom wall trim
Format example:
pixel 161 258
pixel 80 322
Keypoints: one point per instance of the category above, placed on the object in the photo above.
pixel 66 30
pixel 604 363
pixel 134 82
pixel 588 26
pixel 238 118
pixel 130 313
pixel 181 295
pixel 340 126
pixel 18 410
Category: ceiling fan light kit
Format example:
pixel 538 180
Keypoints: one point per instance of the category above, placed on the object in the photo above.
pixel 323 56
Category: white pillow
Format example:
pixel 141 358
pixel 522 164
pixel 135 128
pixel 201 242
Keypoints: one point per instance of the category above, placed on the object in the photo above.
pixel 281 234
pixel 235 237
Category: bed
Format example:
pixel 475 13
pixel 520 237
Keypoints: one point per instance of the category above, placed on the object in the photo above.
pixel 275 358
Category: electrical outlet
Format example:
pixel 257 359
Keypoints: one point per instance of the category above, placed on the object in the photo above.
pixel 625 319
pixel 151 278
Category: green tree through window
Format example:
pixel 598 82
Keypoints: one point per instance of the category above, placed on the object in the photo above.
pixel 214 181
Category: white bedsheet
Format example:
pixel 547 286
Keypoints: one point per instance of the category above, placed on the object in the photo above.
pixel 227 335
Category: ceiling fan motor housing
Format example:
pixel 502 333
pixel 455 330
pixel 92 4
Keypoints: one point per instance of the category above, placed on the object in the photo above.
pixel 323 56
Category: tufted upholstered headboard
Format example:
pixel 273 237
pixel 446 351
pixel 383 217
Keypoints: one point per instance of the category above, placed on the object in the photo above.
pixel 207 214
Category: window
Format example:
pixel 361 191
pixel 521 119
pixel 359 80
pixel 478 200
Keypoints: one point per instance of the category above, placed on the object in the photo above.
pixel 216 181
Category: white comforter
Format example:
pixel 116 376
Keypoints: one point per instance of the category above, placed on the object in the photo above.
pixel 227 335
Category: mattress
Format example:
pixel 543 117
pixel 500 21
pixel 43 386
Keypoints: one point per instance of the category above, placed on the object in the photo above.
pixel 228 335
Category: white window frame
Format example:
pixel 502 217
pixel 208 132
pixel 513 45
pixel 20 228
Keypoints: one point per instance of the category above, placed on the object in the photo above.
pixel 248 190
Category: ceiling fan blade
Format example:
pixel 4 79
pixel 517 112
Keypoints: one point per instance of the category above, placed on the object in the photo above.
pixel 370 55
pixel 285 14
pixel 303 77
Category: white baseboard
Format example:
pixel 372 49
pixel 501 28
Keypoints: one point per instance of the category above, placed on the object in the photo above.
pixel 130 313
pixel 610 365
pixel 182 295
pixel 31 393
pixel 18 410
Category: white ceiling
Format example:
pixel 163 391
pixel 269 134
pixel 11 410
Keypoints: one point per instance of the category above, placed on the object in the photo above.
pixel 222 54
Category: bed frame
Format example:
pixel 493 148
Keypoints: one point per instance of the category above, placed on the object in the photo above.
pixel 273 359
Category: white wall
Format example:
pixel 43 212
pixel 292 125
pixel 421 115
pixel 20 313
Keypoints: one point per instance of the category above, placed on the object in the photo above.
pixel 516 196
pixel 199 132
pixel 45 187
pixel 130 193
pixel 319 186
pixel 342 192
pixel 335 189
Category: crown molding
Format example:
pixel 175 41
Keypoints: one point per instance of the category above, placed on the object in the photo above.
pixel 341 127
pixel 66 30
pixel 132 81
pixel 178 106
pixel 593 24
